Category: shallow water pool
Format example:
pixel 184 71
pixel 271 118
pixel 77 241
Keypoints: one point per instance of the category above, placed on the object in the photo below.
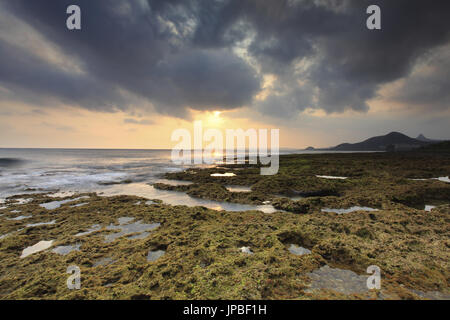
pixel 177 198
pixel 155 255
pixel 92 229
pixel 19 218
pixel 65 250
pixel 299 251
pixel 227 174
pixel 332 177
pixel 41 224
pixel 103 262
pixel 127 228
pixel 56 204
pixel 352 209
pixel 238 188
pixel 339 280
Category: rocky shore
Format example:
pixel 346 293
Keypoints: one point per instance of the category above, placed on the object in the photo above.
pixel 337 215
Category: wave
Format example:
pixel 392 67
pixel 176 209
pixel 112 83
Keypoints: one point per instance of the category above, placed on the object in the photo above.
pixel 11 162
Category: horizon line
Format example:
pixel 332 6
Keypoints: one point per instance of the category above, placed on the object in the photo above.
pixel 153 149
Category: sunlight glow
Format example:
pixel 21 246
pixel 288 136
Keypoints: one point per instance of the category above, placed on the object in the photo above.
pixel 214 119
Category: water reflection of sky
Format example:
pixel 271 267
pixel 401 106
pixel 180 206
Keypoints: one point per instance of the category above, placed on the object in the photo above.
pixel 179 198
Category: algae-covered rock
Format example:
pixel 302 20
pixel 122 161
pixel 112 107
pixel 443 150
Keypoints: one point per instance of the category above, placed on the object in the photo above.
pixel 195 252
pixel 291 206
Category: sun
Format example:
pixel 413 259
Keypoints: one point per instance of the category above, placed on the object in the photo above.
pixel 214 118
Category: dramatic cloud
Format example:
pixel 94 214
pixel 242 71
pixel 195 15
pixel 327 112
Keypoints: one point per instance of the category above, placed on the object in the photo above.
pixel 170 55
pixel 125 48
pixel 429 83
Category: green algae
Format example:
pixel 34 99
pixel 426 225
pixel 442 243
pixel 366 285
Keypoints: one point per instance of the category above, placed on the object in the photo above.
pixel 203 257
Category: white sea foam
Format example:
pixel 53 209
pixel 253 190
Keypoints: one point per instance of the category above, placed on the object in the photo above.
pixel 74 171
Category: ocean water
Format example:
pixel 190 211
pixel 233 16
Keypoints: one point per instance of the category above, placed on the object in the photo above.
pixel 107 172
pixel 41 170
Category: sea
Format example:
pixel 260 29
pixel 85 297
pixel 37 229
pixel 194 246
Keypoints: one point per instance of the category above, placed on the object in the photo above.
pixel 106 172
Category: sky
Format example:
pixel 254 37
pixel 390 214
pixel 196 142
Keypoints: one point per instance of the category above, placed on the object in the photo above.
pixel 140 69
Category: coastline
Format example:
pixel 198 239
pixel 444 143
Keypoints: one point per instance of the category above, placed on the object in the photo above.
pixel 203 248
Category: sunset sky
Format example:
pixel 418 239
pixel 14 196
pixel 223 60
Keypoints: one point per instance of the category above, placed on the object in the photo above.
pixel 140 69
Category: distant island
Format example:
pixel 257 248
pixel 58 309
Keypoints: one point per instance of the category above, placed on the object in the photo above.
pixel 421 137
pixel 394 141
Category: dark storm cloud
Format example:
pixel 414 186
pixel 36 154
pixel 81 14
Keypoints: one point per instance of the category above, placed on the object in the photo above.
pixel 205 80
pixel 26 74
pixel 124 44
pixel 349 63
pixel 179 53
pixel 429 84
